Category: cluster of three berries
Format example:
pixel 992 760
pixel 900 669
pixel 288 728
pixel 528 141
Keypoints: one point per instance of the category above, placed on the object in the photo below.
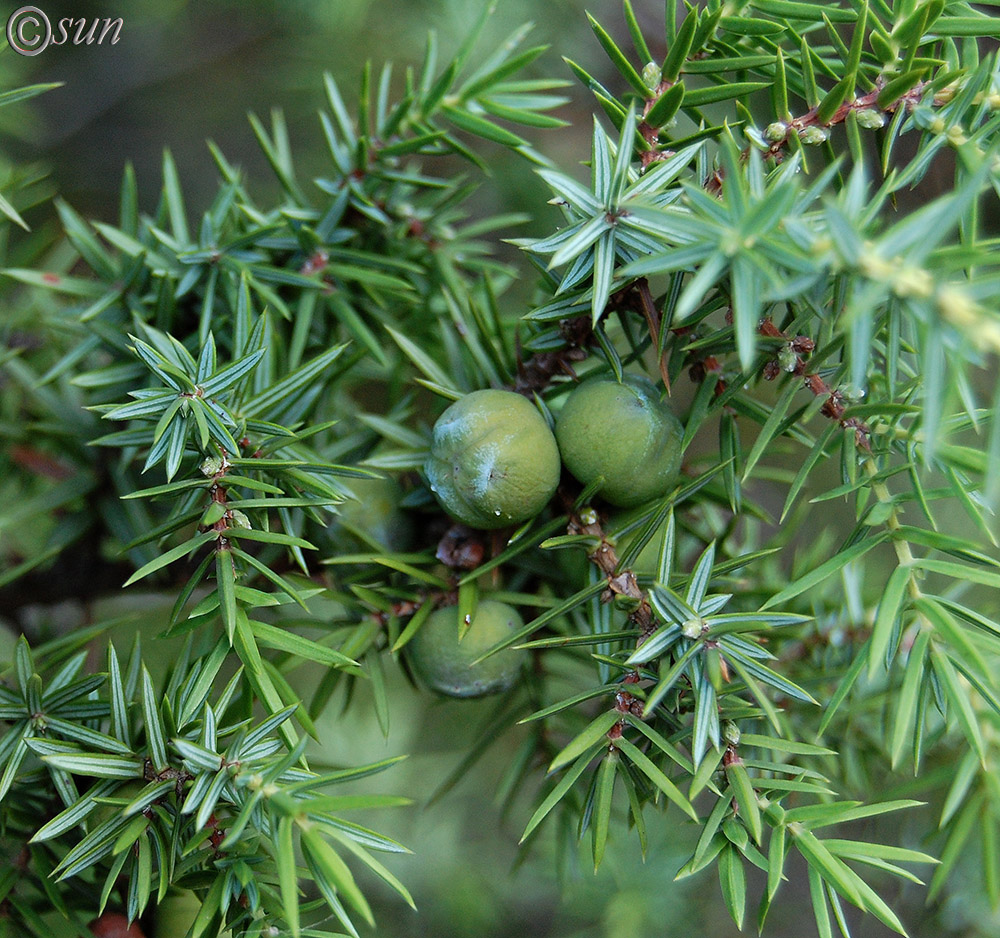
pixel 494 462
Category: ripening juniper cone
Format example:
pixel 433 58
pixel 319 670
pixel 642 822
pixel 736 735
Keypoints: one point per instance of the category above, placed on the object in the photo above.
pixel 623 432
pixel 176 913
pixel 442 662
pixel 494 461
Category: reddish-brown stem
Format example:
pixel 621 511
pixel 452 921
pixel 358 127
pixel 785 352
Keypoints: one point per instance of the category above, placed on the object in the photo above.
pixel 833 407
pixel 865 102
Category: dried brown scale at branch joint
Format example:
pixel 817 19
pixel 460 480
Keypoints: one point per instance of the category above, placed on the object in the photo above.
pixel 415 228
pixel 699 370
pixel 217 835
pixel 791 357
pixel 150 774
pixel 314 263
pixel 833 407
pixel 217 468
pixel 179 777
pixel 650 133
pixel 407 607
pixel 865 102
pixel 625 703
pixel 628 703
pixel 534 375
pixel 605 558
pixel 714 182
pixel 625 584
pixel 709 364
pixel 461 548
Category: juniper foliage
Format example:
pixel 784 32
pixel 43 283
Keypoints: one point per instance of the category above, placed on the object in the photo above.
pixel 754 233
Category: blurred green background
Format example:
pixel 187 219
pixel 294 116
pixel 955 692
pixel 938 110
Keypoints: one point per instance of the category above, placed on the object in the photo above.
pixel 184 71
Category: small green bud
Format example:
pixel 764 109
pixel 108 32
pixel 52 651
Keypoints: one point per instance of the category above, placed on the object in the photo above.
pixel 822 244
pixel 651 75
pixel 776 132
pixel 212 514
pixel 874 266
pixel 944 95
pixel 813 136
pixel 956 136
pixel 957 306
pixel 693 628
pixel 211 466
pixel 627 604
pixel 787 359
pixel 588 516
pixel 913 281
pixel 731 733
pixel 870 119
pixel 240 520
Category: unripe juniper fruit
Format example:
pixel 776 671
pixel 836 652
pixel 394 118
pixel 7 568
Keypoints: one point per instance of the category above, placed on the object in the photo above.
pixel 443 663
pixel 176 914
pixel 494 462
pixel 623 432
